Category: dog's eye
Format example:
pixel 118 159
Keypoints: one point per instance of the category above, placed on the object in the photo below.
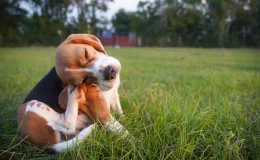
pixel 86 53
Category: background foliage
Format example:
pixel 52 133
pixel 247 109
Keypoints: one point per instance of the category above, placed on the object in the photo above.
pixel 216 23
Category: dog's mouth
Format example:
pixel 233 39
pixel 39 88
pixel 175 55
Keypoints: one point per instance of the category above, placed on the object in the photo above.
pixel 89 81
pixel 85 80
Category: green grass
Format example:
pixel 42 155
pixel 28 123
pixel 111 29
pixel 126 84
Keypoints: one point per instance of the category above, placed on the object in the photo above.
pixel 181 103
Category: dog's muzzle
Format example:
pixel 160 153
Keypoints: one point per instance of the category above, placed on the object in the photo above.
pixel 110 72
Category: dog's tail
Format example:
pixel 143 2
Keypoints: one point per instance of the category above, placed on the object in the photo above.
pixel 70 144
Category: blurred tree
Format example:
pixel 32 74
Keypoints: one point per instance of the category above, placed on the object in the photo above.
pixel 146 22
pixel 47 24
pixel 122 21
pixel 82 10
pixel 220 13
pixel 200 23
pixel 182 21
pixel 11 18
pixel 87 14
pixel 213 23
pixel 245 27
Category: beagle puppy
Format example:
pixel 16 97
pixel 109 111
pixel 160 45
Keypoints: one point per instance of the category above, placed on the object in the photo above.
pixel 61 110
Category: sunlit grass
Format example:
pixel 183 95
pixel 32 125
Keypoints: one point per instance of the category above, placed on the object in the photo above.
pixel 180 103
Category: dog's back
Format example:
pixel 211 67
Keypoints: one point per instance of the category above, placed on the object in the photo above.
pixel 47 91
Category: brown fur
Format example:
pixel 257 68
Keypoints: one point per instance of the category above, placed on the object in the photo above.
pixel 35 128
pixel 93 104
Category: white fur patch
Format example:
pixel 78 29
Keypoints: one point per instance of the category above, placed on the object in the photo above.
pixel 79 70
pixel 65 123
pixel 82 122
pixel 74 141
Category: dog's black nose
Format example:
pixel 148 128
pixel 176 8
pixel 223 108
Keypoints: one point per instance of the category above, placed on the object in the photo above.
pixel 109 73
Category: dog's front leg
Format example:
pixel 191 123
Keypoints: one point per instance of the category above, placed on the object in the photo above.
pixel 66 122
pixel 99 111
pixel 114 126
pixel 114 99
pixel 115 104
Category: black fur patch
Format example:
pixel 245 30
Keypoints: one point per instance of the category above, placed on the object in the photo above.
pixel 47 91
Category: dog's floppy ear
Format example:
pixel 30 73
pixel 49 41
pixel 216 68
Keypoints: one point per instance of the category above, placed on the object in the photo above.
pixel 86 39
pixel 63 98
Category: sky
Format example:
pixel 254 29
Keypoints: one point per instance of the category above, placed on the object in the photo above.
pixel 128 5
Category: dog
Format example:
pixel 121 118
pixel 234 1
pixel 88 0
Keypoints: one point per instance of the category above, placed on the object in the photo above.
pixel 80 90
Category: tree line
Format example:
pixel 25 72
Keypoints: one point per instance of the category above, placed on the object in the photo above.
pixel 192 23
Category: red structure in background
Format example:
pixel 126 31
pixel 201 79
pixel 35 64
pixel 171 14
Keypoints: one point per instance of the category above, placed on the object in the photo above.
pixel 126 41
pixel 122 40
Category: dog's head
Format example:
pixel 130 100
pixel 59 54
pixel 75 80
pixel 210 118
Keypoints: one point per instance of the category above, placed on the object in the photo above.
pixel 82 59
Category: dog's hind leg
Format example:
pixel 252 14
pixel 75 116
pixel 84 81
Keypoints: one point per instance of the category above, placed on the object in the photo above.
pixel 72 143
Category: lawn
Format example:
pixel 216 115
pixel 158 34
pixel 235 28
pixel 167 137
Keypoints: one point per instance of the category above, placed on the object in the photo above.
pixel 180 103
